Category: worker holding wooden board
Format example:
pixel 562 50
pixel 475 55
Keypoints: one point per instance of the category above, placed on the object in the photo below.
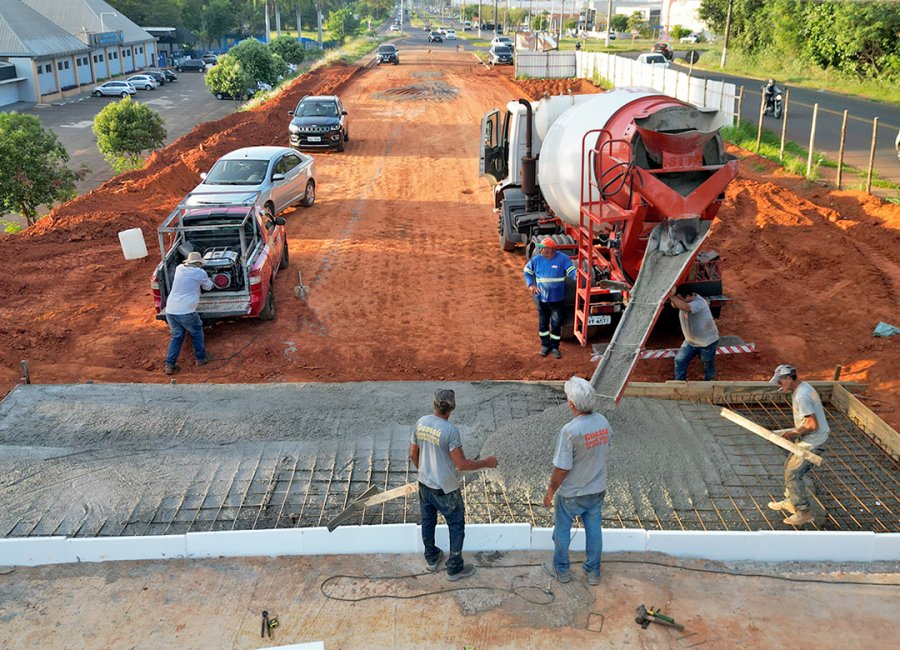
pixel 810 432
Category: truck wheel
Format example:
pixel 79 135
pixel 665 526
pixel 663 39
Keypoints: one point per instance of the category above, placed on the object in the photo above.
pixel 505 242
pixel 346 136
pixel 285 258
pixel 340 146
pixel 268 310
pixel 309 196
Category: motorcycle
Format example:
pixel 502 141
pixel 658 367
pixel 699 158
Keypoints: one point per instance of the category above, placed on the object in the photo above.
pixel 775 102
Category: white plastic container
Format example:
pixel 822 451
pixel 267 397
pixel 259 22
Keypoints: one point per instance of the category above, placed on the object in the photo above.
pixel 133 245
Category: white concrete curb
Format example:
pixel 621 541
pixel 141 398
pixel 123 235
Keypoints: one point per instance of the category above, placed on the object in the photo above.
pixel 762 546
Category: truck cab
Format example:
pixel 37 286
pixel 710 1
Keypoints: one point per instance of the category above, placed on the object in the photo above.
pixel 243 248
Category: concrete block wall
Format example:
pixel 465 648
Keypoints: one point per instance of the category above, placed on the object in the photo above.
pixel 761 546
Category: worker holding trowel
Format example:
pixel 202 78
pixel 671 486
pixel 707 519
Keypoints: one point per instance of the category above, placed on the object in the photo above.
pixel 701 335
pixel 810 432
pixel 578 483
pixel 436 450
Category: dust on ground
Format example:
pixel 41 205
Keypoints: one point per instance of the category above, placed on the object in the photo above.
pixel 406 278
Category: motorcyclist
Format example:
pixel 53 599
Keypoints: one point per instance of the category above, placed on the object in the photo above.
pixel 770 91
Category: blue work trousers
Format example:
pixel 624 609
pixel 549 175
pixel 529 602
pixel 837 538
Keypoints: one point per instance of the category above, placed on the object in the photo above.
pixel 707 355
pixel 550 322
pixel 589 508
pixel 432 502
pixel 181 324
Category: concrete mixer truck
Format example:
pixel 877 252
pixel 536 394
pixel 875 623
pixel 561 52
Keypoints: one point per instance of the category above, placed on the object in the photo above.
pixel 607 175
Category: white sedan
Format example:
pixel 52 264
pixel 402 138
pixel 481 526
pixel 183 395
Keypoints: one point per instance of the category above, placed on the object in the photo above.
pixel 114 89
pixel 144 81
pixel 273 177
pixel 451 35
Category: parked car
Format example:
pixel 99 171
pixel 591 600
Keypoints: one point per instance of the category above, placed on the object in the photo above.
pixel 612 36
pixel 170 74
pixel 653 58
pixel 242 246
pixel 319 121
pixel 191 65
pixel 221 94
pixel 395 27
pixel 145 81
pixel 158 77
pixel 502 40
pixel 451 35
pixel 275 178
pixel 435 37
pixel 387 53
pixel 210 59
pixel 664 49
pixel 500 55
pixel 114 89
pixel 691 38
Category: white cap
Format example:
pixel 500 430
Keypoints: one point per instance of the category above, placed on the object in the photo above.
pixel 784 370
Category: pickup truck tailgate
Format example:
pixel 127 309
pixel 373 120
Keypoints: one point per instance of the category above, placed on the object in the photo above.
pixel 219 307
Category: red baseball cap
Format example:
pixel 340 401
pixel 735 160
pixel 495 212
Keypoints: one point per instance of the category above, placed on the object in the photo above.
pixel 547 242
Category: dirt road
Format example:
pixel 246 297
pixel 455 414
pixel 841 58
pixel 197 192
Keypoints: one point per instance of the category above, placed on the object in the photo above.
pixel 400 254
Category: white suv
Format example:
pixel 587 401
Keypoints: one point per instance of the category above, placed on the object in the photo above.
pixel 653 58
pixel 451 35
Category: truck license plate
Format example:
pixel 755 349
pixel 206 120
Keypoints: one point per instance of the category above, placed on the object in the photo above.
pixel 314 138
pixel 600 319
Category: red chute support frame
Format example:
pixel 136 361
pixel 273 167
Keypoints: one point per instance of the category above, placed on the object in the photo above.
pixel 625 202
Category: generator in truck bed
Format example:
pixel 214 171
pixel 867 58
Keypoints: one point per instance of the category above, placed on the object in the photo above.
pixel 243 247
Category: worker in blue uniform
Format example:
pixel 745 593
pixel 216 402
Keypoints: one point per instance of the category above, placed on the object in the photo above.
pixel 545 277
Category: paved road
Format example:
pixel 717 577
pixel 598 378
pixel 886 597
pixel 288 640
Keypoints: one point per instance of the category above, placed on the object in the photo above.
pixel 828 129
pixel 183 104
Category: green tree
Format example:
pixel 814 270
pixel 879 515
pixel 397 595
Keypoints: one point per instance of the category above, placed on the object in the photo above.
pixel 229 77
pixel 636 22
pixel 680 32
pixel 341 23
pixel 124 130
pixel 33 168
pixel 619 23
pixel 288 49
pixel 256 60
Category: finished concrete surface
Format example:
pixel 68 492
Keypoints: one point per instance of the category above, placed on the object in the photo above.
pixel 393 602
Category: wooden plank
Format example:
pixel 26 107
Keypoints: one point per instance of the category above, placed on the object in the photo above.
pixel 724 389
pixel 868 421
pixel 753 427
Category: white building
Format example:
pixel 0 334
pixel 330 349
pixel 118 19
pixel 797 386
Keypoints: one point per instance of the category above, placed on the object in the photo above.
pixel 59 46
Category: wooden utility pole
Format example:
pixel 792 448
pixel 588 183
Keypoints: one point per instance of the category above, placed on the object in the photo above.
pixel 727 33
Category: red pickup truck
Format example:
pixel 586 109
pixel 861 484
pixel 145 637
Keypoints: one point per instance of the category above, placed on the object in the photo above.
pixel 243 248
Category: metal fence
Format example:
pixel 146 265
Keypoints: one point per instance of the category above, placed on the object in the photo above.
pixel 627 72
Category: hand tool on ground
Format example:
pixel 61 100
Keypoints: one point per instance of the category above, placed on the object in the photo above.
pixel 772 437
pixel 268 624
pixel 644 617
pixel 301 289
pixel 371 497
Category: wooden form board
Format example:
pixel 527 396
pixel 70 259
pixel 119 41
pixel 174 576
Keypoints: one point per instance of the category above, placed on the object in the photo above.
pixel 720 391
pixel 774 438
pixel 878 429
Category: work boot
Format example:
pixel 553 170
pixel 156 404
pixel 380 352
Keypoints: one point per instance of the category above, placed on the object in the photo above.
pixel 800 518
pixel 434 566
pixel 556 353
pixel 171 370
pixel 209 357
pixel 592 579
pixel 544 351
pixel 550 569
pixel 782 506
pixel 467 571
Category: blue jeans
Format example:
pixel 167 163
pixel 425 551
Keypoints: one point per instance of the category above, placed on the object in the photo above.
pixel 795 491
pixel 589 507
pixel 550 322
pixel 707 355
pixel 179 324
pixel 432 502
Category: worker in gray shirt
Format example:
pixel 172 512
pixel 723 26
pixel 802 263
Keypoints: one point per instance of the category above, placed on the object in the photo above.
pixel 181 311
pixel 578 483
pixel 435 449
pixel 810 432
pixel 701 336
